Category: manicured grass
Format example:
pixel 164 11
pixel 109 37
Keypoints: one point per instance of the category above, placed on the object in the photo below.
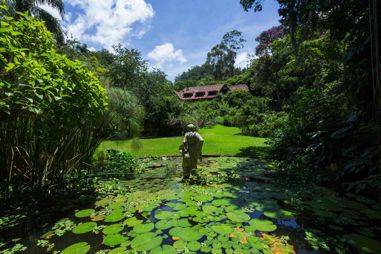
pixel 218 140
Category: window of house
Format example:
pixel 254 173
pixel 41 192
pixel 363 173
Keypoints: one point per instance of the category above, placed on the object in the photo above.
pixel 212 93
pixel 199 94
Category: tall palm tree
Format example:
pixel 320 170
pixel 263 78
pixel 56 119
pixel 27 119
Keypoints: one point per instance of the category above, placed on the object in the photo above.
pixel 33 6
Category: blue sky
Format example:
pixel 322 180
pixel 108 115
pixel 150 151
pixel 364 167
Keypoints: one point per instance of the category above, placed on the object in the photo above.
pixel 172 35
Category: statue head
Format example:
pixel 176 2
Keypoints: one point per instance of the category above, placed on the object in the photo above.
pixel 191 127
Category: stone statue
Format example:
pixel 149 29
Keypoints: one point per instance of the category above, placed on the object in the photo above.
pixel 191 150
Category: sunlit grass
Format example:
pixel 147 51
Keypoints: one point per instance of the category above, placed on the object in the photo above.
pixel 219 140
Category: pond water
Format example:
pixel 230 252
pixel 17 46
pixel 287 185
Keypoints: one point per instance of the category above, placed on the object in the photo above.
pixel 232 212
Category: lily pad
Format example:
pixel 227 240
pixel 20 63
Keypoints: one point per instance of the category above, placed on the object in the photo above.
pixel 77 248
pixel 166 249
pixel 84 213
pixel 261 225
pixel 186 234
pixel 203 198
pixel 114 240
pixel 165 224
pixel 119 250
pixel 223 229
pixel 133 221
pixel 161 215
pixel 194 246
pixel 115 216
pixel 143 228
pixel 84 228
pixel 146 242
pixel 113 229
pixel 180 244
pixel 221 202
pixel 238 216
pixel 177 206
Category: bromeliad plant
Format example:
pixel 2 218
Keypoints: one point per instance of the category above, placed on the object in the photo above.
pixel 50 109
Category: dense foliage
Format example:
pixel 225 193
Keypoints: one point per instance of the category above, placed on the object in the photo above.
pixel 34 8
pixel 50 108
pixel 325 73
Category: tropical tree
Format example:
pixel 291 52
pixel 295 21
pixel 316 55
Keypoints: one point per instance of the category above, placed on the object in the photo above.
pixel 34 7
pixel 222 56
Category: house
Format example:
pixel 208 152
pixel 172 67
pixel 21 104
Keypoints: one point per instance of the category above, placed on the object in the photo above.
pixel 207 92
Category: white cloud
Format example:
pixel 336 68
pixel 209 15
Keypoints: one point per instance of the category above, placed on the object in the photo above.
pixel 166 54
pixel 108 22
pixel 243 60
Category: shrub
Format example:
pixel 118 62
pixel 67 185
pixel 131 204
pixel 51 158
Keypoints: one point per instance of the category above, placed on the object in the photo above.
pixel 125 114
pixel 50 108
pixel 119 163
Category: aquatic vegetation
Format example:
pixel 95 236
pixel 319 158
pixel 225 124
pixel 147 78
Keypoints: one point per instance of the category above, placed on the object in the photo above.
pixel 114 240
pixel 83 228
pixel 77 248
pixel 84 213
pixel 171 217
pixel 146 241
pixel 113 229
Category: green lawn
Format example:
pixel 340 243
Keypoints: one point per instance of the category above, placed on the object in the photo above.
pixel 218 140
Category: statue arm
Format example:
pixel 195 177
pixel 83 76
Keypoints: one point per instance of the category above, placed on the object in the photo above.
pixel 201 143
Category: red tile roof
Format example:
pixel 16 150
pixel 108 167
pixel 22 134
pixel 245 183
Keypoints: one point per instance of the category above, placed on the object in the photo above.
pixel 207 92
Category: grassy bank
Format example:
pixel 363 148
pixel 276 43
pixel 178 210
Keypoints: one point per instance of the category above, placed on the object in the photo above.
pixel 218 140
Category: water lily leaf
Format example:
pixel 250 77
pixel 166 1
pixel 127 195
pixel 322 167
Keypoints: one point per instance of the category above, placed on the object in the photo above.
pixel 206 248
pixel 186 234
pixel 165 224
pixel 114 240
pixel 119 250
pixel 261 225
pixel 182 223
pixel 180 244
pixel 146 242
pixel 177 206
pixel 133 221
pixel 113 229
pixel 166 249
pixel 256 242
pixel 223 229
pixel 162 215
pixel 77 248
pixel 238 216
pixel 203 198
pixel 189 212
pixel 194 246
pixel 143 228
pixel 84 213
pixel 210 209
pixel 84 228
pixel 97 217
pixel 221 202
pixel 115 216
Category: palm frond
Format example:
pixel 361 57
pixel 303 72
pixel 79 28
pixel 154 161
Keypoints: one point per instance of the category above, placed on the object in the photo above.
pixel 57 4
pixel 51 23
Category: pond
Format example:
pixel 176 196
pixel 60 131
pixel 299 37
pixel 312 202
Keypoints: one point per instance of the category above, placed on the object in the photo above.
pixel 237 209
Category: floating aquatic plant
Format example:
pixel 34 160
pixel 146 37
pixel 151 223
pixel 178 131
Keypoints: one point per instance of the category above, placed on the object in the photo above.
pixel 77 248
pixel 84 228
